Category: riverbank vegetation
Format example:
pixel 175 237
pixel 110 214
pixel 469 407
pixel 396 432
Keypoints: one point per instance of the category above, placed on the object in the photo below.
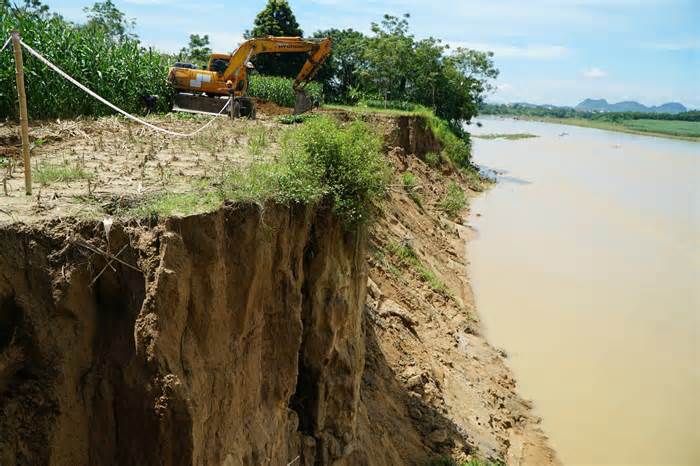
pixel 320 160
pixel 509 136
pixel 685 125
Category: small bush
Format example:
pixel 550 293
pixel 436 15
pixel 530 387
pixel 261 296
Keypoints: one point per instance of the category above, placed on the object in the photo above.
pixel 454 201
pixel 320 160
pixel 455 143
pixel 433 159
pixel 474 179
pixel 293 119
pixel 279 90
pixel 348 161
pixel 408 257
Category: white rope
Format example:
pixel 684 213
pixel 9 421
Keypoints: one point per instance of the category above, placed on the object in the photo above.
pixel 111 105
pixel 4 46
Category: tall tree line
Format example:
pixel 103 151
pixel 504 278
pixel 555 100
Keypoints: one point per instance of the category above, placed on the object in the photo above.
pixel 387 65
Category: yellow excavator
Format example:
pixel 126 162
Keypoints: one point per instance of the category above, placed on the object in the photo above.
pixel 226 76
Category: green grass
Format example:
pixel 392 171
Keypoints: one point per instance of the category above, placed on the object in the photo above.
pixel 408 258
pixel 686 130
pixel 168 204
pixel 258 141
pixel 370 110
pixel 294 119
pixel 509 136
pixel 60 173
pixel 321 161
pixel 671 127
pixel 410 184
pixel 454 201
pixel 433 159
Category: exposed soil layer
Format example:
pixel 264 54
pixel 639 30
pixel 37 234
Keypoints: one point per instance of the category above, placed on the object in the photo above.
pixel 244 336
pixel 433 386
pixel 223 348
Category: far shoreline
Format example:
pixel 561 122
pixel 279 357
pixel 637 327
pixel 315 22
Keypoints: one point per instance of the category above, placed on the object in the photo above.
pixel 594 124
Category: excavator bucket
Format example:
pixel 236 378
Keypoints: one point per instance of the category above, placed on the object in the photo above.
pixel 303 102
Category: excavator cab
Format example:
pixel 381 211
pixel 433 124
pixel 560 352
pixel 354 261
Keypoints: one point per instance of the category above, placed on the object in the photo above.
pixel 219 65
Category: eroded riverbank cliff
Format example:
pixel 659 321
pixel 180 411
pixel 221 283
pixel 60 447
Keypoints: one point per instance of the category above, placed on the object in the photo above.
pixel 251 336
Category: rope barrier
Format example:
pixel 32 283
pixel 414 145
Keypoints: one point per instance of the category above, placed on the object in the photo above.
pixel 4 46
pixel 80 86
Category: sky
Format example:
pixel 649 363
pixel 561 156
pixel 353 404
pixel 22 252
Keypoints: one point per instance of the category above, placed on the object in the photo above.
pixel 548 51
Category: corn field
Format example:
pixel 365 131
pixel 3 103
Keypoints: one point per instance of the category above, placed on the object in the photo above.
pixel 279 90
pixel 122 72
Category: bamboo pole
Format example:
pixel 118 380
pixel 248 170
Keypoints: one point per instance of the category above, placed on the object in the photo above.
pixel 23 117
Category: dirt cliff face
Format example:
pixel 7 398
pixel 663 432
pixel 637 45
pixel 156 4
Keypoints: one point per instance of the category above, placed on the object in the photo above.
pixel 230 338
pixel 244 336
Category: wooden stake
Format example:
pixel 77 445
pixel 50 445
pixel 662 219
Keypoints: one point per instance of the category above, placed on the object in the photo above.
pixel 23 117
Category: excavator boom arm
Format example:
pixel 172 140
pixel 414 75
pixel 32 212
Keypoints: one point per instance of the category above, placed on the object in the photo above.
pixel 318 51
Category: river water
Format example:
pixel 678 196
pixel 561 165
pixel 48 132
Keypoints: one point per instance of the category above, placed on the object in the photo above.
pixel 586 270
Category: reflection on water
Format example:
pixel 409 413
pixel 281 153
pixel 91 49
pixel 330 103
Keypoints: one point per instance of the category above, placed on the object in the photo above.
pixel 586 270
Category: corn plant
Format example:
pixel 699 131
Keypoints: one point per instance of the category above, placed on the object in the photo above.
pixel 279 90
pixel 120 71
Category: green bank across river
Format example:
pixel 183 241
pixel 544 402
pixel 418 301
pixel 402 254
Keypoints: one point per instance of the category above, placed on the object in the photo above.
pixel 685 130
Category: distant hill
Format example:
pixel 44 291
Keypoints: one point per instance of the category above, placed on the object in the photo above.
pixel 602 105
pixel 547 106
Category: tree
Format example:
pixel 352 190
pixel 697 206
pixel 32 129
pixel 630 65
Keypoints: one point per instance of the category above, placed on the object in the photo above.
pixel 339 73
pixel 477 67
pixel 197 51
pixel 277 19
pixel 107 17
pixel 388 56
pixel 428 71
pixel 470 77
pixel 33 7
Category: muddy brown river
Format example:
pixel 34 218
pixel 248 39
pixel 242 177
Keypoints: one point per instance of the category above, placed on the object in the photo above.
pixel 586 270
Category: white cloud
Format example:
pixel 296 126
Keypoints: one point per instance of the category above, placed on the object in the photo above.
pixel 223 42
pixel 594 73
pixel 528 52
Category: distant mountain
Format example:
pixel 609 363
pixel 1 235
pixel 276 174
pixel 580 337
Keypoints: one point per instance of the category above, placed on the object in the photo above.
pixel 671 107
pixel 529 105
pixel 602 105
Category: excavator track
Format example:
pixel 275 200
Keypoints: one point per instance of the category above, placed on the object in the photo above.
pixel 201 104
pixel 205 105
